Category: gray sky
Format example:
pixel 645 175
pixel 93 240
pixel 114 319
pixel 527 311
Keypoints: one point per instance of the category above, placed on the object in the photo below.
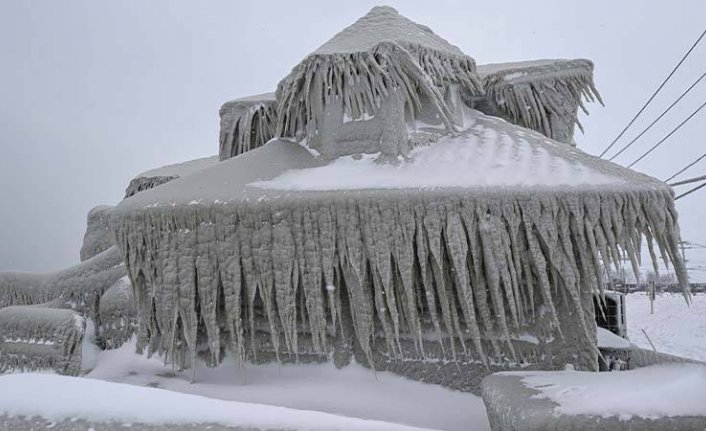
pixel 94 92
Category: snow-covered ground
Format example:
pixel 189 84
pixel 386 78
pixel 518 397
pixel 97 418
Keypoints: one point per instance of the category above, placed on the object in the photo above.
pixel 60 398
pixel 353 391
pixel 674 328
pixel 315 396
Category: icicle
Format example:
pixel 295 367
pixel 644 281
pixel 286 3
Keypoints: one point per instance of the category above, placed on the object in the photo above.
pixel 246 124
pixel 369 77
pixel 543 97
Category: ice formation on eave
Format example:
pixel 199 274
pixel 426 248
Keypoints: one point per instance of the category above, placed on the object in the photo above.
pixel 246 124
pixel 381 53
pixel 117 316
pixel 36 338
pixel 212 266
pixel 155 177
pixel 543 95
pixel 98 236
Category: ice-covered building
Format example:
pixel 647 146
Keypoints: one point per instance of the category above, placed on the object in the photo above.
pixel 413 211
pixel 391 203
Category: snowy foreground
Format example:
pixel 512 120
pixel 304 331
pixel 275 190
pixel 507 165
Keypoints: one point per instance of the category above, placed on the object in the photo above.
pixel 674 328
pixel 124 387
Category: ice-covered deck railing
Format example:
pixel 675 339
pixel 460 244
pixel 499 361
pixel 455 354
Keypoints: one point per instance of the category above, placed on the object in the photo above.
pixel 218 262
pixel 543 95
pixel 377 56
pixel 246 124
pixel 37 338
pixel 78 287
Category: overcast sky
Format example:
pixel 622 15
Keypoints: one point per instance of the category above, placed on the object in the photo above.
pixel 94 92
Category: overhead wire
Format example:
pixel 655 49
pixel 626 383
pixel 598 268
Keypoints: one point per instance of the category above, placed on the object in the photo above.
pixel 668 135
pixel 629 144
pixel 654 94
pixel 682 170
pixel 690 191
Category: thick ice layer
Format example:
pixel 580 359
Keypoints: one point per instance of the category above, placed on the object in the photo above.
pixel 380 54
pixel 543 95
pixel 36 338
pixel 217 262
pixel 98 236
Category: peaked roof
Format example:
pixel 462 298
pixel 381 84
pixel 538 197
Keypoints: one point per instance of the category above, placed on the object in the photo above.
pixel 385 24
pixel 381 53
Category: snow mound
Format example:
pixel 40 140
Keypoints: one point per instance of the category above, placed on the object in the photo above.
pixel 60 398
pixel 650 393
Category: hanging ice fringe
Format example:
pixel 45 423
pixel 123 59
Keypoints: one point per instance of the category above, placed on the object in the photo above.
pixel 246 124
pixel 541 95
pixel 356 67
pixel 35 338
pixel 473 273
pixel 117 317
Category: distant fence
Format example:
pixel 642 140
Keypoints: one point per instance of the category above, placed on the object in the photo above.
pixel 659 287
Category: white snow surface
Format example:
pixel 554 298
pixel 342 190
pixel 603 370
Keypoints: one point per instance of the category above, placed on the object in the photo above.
pixel 353 391
pixel 60 398
pixel 385 24
pixel 609 340
pixel 180 169
pixel 650 392
pixel 674 328
pixel 482 156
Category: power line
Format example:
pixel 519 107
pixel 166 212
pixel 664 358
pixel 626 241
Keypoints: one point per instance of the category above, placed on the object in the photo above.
pixel 654 94
pixel 659 118
pixel 689 181
pixel 690 191
pixel 668 135
pixel 685 168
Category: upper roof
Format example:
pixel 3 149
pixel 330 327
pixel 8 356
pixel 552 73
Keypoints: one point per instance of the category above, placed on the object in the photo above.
pixel 385 24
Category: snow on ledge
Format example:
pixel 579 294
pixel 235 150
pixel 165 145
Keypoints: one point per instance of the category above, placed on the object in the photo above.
pixel 609 340
pixel 59 398
pixel 650 392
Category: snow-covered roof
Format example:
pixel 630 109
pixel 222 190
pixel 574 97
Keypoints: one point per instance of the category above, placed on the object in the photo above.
pixel 532 67
pixel 385 24
pixel 490 155
pixel 254 100
pixel 180 169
